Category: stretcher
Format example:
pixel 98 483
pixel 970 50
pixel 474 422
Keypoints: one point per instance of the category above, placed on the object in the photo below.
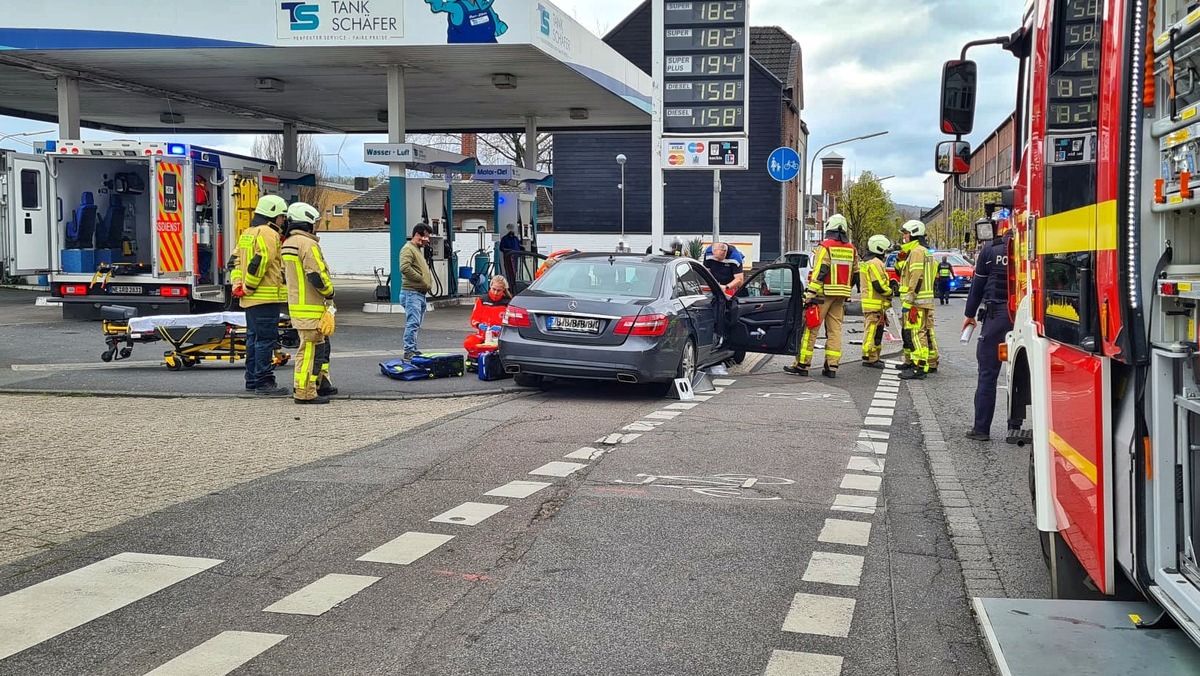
pixel 216 336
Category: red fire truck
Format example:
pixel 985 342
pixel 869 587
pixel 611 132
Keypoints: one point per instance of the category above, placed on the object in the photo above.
pixel 1102 362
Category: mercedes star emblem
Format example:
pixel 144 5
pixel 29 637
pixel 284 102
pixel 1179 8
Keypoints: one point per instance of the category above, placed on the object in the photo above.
pixel 572 305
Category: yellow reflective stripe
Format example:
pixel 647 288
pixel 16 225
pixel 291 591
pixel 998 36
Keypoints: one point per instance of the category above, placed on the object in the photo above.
pixel 1085 466
pixel 301 282
pixel 324 272
pixel 1090 228
pixel 251 278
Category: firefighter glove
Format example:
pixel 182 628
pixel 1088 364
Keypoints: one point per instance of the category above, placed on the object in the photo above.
pixel 912 315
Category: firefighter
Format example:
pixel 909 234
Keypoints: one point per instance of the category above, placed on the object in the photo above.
pixel 917 286
pixel 835 263
pixel 988 302
pixel 876 291
pixel 945 273
pixel 308 289
pixel 257 280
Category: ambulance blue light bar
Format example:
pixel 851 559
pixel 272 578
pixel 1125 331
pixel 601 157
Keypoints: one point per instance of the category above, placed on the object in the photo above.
pixel 176 149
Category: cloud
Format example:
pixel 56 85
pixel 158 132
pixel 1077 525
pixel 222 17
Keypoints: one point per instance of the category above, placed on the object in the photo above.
pixel 868 66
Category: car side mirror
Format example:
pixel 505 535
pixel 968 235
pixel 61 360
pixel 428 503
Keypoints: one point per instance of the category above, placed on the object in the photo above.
pixel 958 97
pixel 953 158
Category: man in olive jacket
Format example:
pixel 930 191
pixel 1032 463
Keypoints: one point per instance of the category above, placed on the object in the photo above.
pixel 415 281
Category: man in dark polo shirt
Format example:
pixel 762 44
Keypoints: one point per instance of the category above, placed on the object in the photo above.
pixel 724 261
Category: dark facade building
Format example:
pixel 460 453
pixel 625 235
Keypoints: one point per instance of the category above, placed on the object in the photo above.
pixel 587 197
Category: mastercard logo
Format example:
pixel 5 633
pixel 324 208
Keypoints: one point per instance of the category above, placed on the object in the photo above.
pixel 675 159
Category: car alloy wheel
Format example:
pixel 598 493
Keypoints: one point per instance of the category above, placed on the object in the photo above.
pixel 687 363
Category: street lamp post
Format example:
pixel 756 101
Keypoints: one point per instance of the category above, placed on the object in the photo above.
pixel 621 162
pixel 27 133
pixel 812 168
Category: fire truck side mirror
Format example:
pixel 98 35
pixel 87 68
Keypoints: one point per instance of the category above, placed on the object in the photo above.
pixel 952 157
pixel 958 97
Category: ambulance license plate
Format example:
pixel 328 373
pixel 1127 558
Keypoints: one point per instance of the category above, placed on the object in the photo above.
pixel 129 290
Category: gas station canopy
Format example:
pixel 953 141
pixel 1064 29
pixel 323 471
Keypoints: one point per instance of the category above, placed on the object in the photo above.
pixel 248 66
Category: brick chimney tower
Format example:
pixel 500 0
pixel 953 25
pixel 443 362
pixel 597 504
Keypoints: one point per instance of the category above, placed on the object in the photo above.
pixel 470 145
pixel 831 182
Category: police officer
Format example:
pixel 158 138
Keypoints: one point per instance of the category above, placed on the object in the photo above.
pixel 988 302
pixel 945 273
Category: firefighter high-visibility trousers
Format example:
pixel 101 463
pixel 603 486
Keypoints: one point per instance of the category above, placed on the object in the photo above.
pixel 832 314
pixel 920 333
pixel 873 339
pixel 309 363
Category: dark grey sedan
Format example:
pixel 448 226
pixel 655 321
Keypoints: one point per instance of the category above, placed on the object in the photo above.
pixel 639 319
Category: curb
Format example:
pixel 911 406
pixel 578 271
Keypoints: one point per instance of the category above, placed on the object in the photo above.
pixel 223 395
pixel 974 556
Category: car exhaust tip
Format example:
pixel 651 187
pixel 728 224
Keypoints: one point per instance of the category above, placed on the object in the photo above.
pixel 626 378
pixel 512 368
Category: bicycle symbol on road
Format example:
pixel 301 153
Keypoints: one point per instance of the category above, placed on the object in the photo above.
pixel 715 486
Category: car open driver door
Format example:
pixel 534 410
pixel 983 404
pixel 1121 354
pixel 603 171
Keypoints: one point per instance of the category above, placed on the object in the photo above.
pixel 768 318
pixel 520 269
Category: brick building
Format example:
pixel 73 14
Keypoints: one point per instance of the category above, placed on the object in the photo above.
pixel 586 175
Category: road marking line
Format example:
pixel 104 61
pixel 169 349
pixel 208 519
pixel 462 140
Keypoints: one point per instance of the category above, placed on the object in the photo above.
pixel 701 397
pixel 663 415
pixel 884 393
pixel 861 464
pixel 718 390
pixel 823 615
pixel 220 654
pixel 830 568
pixel 643 426
pixel 890 376
pixel 682 406
pixel 518 489
pixel 876 447
pixel 843 532
pixel 863 504
pixel 323 595
pixel 878 421
pixel 617 438
pixel 558 469
pixel 585 453
pixel 45 610
pixel 861 482
pixel 872 434
pixel 894 362
pixel 884 403
pixel 880 411
pixel 406 548
pixel 788 663
pixel 469 513
pixel 723 382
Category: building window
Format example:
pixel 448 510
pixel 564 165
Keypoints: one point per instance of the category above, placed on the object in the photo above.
pixel 339 210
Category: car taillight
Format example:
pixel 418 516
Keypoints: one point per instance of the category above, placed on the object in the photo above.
pixel 73 289
pixel 516 316
pixel 173 291
pixel 644 325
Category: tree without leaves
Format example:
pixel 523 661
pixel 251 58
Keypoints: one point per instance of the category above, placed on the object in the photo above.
pixel 507 148
pixel 308 161
pixel 868 209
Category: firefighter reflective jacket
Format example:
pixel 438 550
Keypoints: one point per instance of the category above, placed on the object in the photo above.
pixel 874 284
pixel 258 267
pixel 833 269
pixel 920 274
pixel 308 283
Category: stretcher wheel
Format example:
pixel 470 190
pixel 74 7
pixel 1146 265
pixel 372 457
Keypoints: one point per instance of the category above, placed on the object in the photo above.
pixel 107 355
pixel 173 363
pixel 125 352
pixel 282 359
pixel 189 362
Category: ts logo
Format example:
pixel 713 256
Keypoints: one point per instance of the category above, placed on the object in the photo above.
pixel 545 19
pixel 301 15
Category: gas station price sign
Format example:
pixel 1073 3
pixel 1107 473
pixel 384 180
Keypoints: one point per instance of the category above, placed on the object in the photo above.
pixel 705 75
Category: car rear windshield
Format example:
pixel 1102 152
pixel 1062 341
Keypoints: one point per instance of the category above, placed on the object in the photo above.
pixel 599 277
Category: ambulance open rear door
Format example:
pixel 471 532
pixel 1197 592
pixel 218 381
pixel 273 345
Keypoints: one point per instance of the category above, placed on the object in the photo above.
pixel 25 212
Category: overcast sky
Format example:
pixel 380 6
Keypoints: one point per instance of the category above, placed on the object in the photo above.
pixel 868 66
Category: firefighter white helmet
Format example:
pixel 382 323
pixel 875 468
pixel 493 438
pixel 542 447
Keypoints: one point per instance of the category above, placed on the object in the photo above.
pixel 878 244
pixel 837 223
pixel 914 228
pixel 303 213
pixel 271 206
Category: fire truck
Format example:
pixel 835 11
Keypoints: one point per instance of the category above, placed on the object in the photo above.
pixel 150 225
pixel 1102 362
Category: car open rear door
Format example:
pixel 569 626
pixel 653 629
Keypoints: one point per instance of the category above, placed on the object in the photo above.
pixel 520 269
pixel 768 318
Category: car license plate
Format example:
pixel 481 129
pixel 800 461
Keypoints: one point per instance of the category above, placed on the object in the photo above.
pixel 573 324
pixel 126 289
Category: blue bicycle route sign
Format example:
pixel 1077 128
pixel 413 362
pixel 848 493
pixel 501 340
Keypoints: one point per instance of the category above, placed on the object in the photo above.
pixel 783 164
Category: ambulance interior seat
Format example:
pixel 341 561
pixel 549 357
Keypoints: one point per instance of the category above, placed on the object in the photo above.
pixel 82 228
pixel 110 230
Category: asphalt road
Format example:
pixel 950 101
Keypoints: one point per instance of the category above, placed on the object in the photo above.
pixel 785 526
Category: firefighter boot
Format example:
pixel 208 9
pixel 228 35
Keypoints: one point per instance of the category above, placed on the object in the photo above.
pixel 326 388
pixel 797 369
pixel 829 372
pixel 917 373
pixel 315 400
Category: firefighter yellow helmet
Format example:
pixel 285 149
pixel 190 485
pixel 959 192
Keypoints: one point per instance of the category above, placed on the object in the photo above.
pixel 303 213
pixel 878 244
pixel 271 206
pixel 837 223
pixel 914 228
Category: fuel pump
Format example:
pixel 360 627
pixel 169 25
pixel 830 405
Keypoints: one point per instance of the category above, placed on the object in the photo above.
pixel 429 199
pixel 525 229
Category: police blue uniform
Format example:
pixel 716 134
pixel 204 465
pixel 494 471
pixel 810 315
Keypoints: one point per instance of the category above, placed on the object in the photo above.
pixel 989 288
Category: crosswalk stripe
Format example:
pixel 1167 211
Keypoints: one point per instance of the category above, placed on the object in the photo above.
pixel 47 609
pixel 220 654
pixel 862 464
pixel 844 532
pixel 469 513
pixel 406 548
pixel 823 615
pixel 518 489
pixel 585 453
pixel 557 468
pixel 861 482
pixel 877 420
pixel 788 663
pixel 832 568
pixel 873 434
pixel 863 504
pixel 322 595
